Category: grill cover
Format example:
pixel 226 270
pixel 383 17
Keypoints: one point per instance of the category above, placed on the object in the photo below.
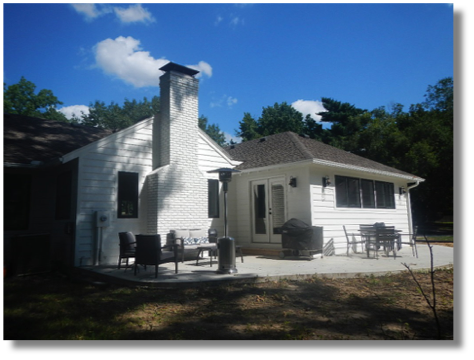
pixel 297 235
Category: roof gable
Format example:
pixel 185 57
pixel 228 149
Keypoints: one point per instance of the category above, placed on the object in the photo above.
pixel 288 147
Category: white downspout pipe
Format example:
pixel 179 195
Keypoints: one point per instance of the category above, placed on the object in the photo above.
pixel 410 220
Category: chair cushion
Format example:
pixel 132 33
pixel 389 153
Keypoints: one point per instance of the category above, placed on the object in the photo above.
pixel 181 233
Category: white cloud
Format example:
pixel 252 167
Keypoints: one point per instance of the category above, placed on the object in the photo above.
pixel 311 107
pixel 223 100
pixel 134 13
pixel 203 68
pixel 90 11
pixel 77 110
pixel 124 59
pixel 231 101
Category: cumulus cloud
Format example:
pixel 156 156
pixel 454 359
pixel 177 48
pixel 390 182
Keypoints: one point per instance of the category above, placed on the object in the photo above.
pixel 77 110
pixel 132 14
pixel 311 107
pixel 223 100
pixel 124 59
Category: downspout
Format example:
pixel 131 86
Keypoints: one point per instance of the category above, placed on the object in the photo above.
pixel 410 221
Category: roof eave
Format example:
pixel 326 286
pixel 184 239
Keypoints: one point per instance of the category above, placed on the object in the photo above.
pixel 368 170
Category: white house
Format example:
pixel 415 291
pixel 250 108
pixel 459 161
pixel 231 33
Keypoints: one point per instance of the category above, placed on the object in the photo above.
pixel 154 176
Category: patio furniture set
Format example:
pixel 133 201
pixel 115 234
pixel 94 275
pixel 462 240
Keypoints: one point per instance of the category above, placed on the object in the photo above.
pixel 181 245
pixel 190 244
pixel 380 237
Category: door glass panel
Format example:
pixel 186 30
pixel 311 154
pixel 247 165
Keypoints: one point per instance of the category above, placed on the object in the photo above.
pixel 260 209
pixel 278 206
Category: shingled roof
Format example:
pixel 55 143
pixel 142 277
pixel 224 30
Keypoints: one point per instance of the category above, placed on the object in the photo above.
pixel 288 147
pixel 27 139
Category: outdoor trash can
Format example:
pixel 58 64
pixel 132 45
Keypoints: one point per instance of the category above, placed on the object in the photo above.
pixel 226 260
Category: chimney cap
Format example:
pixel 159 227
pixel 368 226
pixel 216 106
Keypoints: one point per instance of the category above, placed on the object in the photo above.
pixel 171 66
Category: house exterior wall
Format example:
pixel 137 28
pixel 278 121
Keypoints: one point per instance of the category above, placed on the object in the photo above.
pixel 324 211
pixel 312 203
pixel 99 164
pixel 297 201
pixel 172 173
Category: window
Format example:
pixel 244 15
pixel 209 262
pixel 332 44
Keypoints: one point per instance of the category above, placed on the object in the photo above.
pixel 127 195
pixel 347 192
pixel 213 198
pixel 16 201
pixel 385 195
pixel 364 193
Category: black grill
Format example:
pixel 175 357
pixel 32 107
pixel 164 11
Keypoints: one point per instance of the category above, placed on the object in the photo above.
pixel 301 239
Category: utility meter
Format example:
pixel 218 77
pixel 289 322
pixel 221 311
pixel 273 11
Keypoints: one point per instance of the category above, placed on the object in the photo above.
pixel 102 219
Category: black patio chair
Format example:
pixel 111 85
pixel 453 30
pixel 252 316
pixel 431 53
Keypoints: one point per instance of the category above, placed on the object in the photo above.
pixel 127 247
pixel 150 252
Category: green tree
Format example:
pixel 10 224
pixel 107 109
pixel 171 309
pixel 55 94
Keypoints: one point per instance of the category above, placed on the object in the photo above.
pixel 346 119
pixel 274 120
pixel 248 128
pixel 116 117
pixel 21 99
pixel 280 118
pixel 212 130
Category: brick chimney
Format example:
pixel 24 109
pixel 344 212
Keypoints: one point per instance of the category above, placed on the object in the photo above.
pixel 177 124
pixel 177 189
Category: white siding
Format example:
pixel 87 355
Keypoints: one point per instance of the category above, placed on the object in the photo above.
pixel 99 164
pixel 325 212
pixel 311 203
pixel 297 201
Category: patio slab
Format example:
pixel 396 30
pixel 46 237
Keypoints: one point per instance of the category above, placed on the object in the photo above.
pixel 257 268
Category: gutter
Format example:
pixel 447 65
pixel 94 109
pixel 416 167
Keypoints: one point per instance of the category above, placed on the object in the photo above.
pixel 35 164
pixel 410 220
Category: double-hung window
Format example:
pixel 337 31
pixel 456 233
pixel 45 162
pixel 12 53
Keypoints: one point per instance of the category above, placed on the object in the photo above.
pixel 364 193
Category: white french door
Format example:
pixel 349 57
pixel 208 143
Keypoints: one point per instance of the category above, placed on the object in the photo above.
pixel 268 209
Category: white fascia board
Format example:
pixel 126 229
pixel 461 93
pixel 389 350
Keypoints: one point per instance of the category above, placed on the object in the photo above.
pixel 367 170
pixel 278 166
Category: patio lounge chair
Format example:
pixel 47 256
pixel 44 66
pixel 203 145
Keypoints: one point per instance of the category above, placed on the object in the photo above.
pixel 127 247
pixel 150 252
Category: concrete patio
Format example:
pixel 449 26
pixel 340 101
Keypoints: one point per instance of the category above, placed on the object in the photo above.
pixel 257 268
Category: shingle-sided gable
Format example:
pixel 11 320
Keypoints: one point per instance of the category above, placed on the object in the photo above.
pixel 289 147
pixel 28 139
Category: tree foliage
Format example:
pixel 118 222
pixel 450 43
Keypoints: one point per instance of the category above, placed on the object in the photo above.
pixel 116 117
pixel 212 130
pixel 21 99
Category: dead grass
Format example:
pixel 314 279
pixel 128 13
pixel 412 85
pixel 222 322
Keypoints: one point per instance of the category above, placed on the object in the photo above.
pixel 51 306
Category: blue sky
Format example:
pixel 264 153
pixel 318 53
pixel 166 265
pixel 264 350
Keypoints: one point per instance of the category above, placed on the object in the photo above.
pixel 250 55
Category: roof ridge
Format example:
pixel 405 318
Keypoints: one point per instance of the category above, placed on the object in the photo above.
pixel 295 138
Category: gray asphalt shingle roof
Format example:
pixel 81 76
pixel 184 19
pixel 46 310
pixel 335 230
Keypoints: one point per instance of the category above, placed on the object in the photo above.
pixel 27 139
pixel 288 147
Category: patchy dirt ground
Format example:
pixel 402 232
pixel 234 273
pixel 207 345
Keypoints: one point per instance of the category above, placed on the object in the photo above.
pixel 52 306
pixel 389 307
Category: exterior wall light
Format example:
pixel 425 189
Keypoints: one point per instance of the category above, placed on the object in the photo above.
pixel 402 190
pixel 326 181
pixel 292 182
